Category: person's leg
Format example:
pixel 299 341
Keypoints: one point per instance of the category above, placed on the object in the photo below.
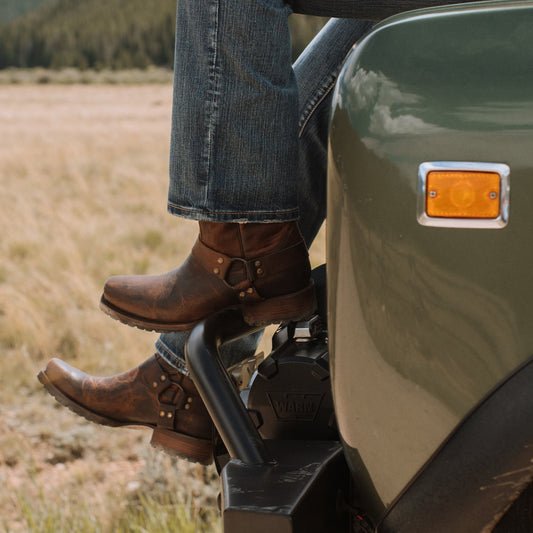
pixel 157 393
pixel 232 168
pixel 235 113
pixel 316 71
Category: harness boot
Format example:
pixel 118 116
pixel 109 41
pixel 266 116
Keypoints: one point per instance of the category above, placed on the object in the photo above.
pixel 262 269
pixel 153 395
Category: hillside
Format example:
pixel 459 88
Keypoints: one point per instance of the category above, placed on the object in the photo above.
pixel 91 34
pixel 11 9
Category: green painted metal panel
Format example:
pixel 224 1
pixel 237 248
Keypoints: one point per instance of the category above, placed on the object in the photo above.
pixel 425 321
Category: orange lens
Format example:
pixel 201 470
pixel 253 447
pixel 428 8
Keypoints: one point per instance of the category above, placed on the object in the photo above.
pixel 463 194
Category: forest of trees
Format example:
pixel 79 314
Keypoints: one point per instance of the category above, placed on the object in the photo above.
pixel 98 34
pixel 11 9
pixel 95 34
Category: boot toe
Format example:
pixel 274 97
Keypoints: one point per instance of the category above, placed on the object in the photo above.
pixel 66 383
pixel 75 389
pixel 136 296
pixel 116 287
pixel 62 377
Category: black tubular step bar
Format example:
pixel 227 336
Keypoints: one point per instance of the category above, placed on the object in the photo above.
pixel 216 388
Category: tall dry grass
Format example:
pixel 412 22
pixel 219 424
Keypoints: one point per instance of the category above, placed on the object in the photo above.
pixel 83 173
pixel 84 176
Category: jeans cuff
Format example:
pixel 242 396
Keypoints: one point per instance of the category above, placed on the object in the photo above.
pixel 173 359
pixel 288 215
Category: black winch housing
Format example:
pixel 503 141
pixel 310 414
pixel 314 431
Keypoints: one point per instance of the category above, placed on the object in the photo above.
pixel 289 397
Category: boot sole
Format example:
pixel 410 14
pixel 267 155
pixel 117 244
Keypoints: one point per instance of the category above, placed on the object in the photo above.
pixel 291 307
pixel 173 443
pixel 141 323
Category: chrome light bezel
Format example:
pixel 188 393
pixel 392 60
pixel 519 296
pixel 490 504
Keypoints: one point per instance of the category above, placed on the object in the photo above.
pixel 478 223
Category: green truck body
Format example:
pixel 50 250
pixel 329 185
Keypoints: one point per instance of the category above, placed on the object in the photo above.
pixel 424 321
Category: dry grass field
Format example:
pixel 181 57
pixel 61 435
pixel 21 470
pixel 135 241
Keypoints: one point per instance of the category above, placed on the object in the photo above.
pixel 83 172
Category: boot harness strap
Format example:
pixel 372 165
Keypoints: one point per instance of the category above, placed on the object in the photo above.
pixel 178 400
pixel 219 264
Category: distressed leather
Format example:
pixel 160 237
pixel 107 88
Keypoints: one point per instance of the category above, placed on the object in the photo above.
pixel 153 394
pixel 231 265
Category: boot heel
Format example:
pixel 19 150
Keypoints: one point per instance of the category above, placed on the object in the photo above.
pixel 294 306
pixel 190 448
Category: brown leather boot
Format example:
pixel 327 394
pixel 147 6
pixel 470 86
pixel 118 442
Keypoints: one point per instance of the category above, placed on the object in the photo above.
pixel 262 269
pixel 153 394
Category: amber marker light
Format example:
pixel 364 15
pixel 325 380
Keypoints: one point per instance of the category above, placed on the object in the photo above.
pixel 463 195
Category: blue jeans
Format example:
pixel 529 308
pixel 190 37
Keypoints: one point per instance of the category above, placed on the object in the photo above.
pixel 249 131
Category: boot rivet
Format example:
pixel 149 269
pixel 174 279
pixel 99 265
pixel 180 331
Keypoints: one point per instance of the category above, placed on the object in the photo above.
pixel 162 413
pixel 216 270
pixel 250 290
pixel 260 271
pixel 154 384
pixel 188 406
pixel 242 294
pixel 257 263
pixel 169 415
pixel 220 260
pixel 163 378
pixel 189 400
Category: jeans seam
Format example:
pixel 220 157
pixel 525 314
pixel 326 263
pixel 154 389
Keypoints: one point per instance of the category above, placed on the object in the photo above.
pixel 312 107
pixel 328 86
pixel 212 101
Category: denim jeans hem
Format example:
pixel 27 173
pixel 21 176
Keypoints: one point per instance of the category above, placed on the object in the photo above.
pixel 252 216
pixel 173 359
